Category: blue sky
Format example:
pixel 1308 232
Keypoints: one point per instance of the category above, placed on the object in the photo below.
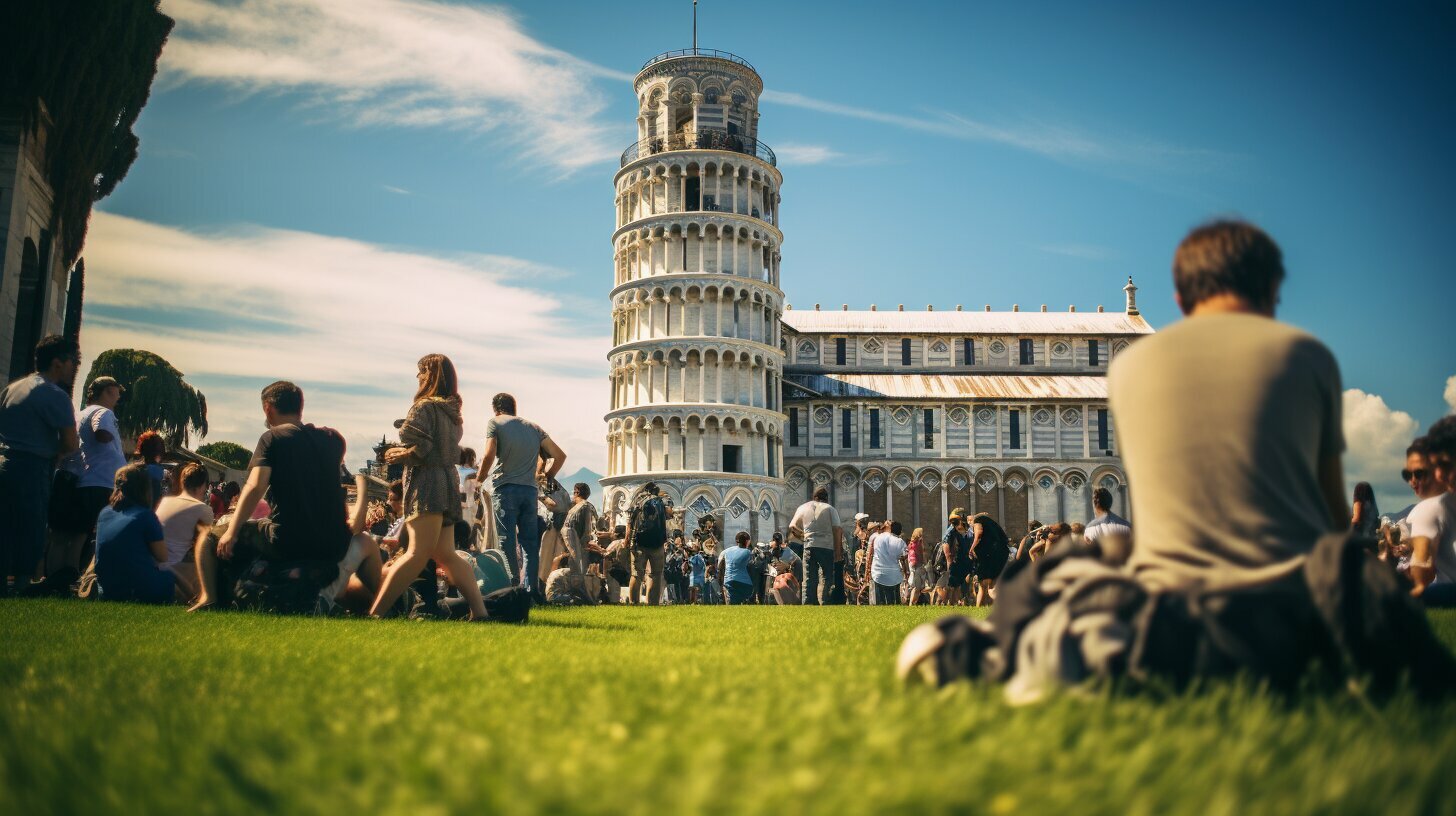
pixel 932 154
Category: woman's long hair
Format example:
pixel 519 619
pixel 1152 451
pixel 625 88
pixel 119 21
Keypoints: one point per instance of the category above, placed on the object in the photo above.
pixel 133 488
pixel 440 380
pixel 1365 493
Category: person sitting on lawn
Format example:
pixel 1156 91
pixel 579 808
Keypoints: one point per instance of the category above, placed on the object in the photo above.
pixel 298 466
pixel 1433 522
pixel 1268 400
pixel 559 583
pixel 130 546
pixel 183 518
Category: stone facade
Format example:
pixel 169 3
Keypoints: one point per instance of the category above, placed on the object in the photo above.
pixel 908 415
pixel 33 279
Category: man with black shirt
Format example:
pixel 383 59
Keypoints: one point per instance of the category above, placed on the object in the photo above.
pixel 297 466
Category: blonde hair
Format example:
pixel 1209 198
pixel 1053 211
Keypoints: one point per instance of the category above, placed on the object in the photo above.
pixel 919 532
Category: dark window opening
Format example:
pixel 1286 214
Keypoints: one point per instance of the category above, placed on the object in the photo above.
pixel 793 427
pixel 694 191
pixel 968 352
pixel 732 458
pixel 840 352
pixel 1028 355
pixel 1102 440
pixel 1015 430
pixel 929 428
pixel 875 428
pixel 846 420
pixel 905 351
pixel 1094 353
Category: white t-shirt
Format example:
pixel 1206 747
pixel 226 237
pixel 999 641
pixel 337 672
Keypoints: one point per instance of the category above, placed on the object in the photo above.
pixel 180 516
pixel 100 460
pixel 1110 524
pixel 1435 518
pixel 818 521
pixel 889 549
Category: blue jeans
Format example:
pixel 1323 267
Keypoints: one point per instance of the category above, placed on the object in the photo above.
pixel 819 575
pixel 25 500
pixel 516 525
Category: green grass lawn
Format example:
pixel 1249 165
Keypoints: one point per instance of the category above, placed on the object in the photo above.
pixel 122 709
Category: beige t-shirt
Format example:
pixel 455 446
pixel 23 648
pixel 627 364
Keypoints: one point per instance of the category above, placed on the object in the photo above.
pixel 1222 421
pixel 818 521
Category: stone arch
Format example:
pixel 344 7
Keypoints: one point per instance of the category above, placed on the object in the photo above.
pixel 902 496
pixel 875 484
pixel 1016 501
pixel 960 489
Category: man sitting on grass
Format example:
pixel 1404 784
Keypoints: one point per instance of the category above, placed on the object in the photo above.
pixel 1230 429
pixel 298 467
pixel 1229 424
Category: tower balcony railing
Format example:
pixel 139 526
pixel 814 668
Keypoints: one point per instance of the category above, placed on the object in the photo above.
pixel 702 140
pixel 699 52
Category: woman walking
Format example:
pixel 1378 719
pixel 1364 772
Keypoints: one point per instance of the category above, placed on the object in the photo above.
pixel 430 436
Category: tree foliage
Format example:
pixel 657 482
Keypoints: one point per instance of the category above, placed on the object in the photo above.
pixel 90 63
pixel 231 454
pixel 157 398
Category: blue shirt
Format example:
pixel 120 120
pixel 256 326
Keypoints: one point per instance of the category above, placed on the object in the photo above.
pixel 735 564
pixel 33 410
pixel 125 567
pixel 700 569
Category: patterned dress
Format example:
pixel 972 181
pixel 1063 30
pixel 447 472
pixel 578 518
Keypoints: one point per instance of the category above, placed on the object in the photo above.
pixel 431 482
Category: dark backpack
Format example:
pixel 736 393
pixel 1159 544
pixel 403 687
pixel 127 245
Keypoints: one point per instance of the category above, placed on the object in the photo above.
pixel 649 524
pixel 285 588
pixel 509 605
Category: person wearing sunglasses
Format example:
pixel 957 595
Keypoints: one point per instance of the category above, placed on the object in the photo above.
pixel 1433 520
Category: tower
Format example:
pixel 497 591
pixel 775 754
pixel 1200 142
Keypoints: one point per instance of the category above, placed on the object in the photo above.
pixel 696 364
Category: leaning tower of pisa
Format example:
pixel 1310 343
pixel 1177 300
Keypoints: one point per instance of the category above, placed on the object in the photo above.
pixel 696 362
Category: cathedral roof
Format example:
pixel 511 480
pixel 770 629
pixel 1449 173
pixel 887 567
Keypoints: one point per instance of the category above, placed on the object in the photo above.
pixel 876 322
pixel 953 386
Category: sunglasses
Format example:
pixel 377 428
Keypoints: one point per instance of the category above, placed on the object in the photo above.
pixel 1420 474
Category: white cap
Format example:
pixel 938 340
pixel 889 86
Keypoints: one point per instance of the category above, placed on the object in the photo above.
pixel 861 516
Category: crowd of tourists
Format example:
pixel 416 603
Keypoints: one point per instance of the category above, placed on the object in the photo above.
pixel 77 514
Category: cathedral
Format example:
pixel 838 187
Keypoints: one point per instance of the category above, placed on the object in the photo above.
pixel 739 406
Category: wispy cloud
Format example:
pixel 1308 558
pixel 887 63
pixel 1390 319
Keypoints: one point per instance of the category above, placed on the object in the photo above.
pixel 1090 252
pixel 1059 142
pixel 345 319
pixel 396 190
pixel 806 154
pixel 415 63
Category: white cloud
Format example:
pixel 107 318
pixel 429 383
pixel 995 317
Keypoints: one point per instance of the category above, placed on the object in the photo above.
pixel 1451 393
pixel 1376 437
pixel 396 190
pixel 806 154
pixel 345 319
pixel 402 62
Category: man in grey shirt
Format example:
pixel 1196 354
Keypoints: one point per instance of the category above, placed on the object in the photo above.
pixel 817 524
pixel 513 449
pixel 37 425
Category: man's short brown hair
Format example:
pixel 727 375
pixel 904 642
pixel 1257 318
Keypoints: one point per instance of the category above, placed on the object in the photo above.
pixel 1228 257
pixel 285 397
